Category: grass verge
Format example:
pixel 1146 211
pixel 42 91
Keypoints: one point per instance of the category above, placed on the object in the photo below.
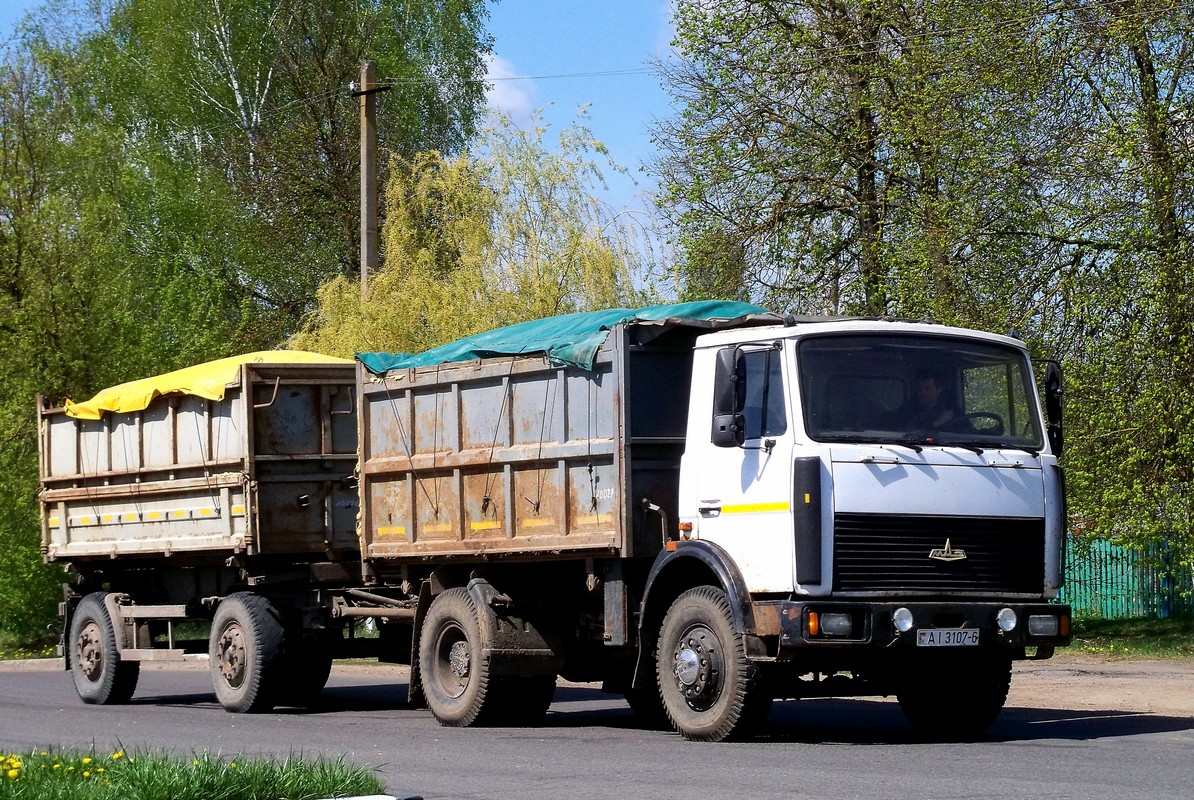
pixel 1135 638
pixel 50 775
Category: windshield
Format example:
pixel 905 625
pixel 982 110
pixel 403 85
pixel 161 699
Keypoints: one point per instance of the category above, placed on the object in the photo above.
pixel 917 390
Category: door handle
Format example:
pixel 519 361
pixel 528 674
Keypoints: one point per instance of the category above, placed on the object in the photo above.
pixel 709 511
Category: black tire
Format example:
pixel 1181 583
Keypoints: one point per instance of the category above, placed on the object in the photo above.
pixel 101 676
pixel 520 701
pixel 706 681
pixel 455 673
pixel 245 652
pixel 647 706
pixel 955 697
pixel 303 673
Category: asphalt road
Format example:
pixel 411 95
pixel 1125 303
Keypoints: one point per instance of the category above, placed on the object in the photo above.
pixel 589 746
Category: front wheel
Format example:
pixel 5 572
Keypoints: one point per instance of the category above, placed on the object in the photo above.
pixel 706 682
pixel 101 676
pixel 245 652
pixel 955 697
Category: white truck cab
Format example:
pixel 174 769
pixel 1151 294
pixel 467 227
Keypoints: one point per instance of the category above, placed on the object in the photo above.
pixel 891 492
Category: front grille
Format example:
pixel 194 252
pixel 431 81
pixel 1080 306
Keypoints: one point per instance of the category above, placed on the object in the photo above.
pixel 873 552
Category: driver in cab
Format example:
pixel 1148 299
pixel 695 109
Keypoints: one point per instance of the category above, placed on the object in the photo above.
pixel 927 408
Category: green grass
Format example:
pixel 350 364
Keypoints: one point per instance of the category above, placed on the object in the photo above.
pixel 50 775
pixel 12 649
pixel 1135 638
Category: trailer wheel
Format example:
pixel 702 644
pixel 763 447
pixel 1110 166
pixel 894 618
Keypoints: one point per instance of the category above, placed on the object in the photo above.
pixel 455 673
pixel 303 674
pixel 101 676
pixel 955 697
pixel 245 648
pixel 705 680
pixel 522 701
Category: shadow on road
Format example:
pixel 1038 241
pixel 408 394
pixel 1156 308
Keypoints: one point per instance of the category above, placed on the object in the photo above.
pixel 830 721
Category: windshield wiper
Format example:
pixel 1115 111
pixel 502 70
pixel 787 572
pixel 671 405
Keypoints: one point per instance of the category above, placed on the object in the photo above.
pixel 863 438
pixel 1021 447
pixel 964 445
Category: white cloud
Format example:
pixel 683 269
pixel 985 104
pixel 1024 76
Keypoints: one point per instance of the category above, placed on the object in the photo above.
pixel 509 92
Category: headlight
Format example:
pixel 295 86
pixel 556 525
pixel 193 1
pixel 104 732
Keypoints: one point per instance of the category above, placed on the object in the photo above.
pixel 836 624
pixel 1042 625
pixel 1006 618
pixel 901 618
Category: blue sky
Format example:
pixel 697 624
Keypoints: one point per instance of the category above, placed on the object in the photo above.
pixel 538 43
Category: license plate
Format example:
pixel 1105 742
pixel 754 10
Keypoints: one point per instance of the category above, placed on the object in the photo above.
pixel 947 637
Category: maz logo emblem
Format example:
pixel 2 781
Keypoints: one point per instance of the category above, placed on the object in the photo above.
pixel 946 553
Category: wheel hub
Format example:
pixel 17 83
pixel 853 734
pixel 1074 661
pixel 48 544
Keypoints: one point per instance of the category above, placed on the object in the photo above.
pixel 688 666
pixel 89 651
pixel 697 667
pixel 231 651
pixel 458 659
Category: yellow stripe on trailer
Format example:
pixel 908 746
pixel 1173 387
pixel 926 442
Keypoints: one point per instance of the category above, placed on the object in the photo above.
pixel 391 530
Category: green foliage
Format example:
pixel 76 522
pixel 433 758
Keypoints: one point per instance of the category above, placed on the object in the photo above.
pixel 48 775
pixel 253 97
pixel 509 233
pixel 176 180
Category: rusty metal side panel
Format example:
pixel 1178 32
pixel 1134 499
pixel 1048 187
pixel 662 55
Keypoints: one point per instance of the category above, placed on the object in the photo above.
pixel 512 457
pixel 188 475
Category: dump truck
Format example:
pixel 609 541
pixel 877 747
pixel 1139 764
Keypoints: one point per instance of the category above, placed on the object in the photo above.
pixel 705 507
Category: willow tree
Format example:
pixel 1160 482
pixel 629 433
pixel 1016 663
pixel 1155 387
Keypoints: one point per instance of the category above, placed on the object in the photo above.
pixel 512 231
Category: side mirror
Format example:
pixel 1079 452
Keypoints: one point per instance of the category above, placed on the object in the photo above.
pixel 1053 406
pixel 729 426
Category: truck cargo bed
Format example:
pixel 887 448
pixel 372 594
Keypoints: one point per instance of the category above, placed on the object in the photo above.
pixel 261 472
pixel 518 457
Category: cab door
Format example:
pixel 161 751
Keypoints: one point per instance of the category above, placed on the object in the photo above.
pixel 743 479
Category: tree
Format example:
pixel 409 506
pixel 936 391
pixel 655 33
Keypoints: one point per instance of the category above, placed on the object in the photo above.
pixel 1010 165
pixel 1132 365
pixel 850 148
pixel 176 180
pixel 258 92
pixel 508 233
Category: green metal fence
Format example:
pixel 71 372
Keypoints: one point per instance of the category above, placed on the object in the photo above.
pixel 1103 579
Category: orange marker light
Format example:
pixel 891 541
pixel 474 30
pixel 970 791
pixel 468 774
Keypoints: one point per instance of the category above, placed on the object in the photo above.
pixel 814 623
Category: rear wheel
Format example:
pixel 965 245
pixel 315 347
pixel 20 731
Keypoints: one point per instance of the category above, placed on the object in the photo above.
pixel 304 672
pixel 455 673
pixel 955 697
pixel 705 680
pixel 521 701
pixel 647 707
pixel 101 676
pixel 245 652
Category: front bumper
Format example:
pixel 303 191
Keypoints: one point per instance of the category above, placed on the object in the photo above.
pixel 863 625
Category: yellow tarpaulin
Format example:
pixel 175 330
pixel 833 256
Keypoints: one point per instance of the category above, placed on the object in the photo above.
pixel 203 380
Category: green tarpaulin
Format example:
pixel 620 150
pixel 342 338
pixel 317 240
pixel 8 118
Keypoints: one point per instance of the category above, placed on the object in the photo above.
pixel 570 339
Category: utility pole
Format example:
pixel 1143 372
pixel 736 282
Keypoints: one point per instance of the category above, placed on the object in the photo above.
pixel 368 97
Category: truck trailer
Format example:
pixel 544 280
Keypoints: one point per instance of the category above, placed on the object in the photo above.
pixel 706 507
